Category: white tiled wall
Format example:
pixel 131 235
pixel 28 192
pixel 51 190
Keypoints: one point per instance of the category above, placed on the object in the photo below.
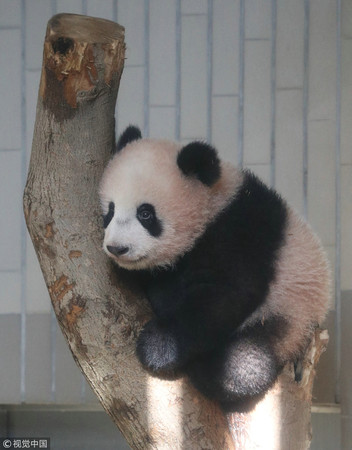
pixel 10 13
pixel 257 102
pixel 182 79
pixel 290 44
pixel 10 204
pixel 194 77
pixel 10 63
pixel 322 60
pixel 162 53
pixel 346 219
pixel 225 53
pixel 289 142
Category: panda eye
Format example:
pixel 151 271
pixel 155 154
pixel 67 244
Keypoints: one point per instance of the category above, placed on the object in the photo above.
pixel 145 215
pixel 145 212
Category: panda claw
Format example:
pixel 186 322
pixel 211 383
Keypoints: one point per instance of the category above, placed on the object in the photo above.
pixel 298 369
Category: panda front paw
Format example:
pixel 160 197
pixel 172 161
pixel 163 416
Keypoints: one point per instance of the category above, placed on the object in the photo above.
pixel 157 348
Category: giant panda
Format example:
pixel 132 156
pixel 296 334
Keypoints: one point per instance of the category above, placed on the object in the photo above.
pixel 236 279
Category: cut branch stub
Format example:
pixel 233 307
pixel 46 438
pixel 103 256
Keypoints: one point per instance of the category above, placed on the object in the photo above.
pixel 74 67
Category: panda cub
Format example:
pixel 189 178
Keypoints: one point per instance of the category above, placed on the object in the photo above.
pixel 236 279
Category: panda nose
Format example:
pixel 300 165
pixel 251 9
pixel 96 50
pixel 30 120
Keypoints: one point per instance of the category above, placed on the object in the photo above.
pixel 117 250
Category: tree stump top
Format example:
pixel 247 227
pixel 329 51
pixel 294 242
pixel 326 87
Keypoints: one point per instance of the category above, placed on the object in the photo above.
pixel 80 53
pixel 84 29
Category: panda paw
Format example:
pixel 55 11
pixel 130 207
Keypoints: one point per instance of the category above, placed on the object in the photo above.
pixel 157 348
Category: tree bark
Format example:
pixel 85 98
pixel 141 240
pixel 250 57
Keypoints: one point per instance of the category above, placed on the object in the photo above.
pixel 100 318
pixel 99 315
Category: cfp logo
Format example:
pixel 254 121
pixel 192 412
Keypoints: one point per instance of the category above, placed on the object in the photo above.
pixel 36 443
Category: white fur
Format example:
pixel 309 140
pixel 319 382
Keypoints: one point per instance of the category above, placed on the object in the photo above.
pixel 146 171
pixel 301 289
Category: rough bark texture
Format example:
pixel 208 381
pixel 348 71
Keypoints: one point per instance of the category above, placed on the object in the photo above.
pixel 100 317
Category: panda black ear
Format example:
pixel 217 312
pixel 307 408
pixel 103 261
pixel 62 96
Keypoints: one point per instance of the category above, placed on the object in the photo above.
pixel 200 160
pixel 131 133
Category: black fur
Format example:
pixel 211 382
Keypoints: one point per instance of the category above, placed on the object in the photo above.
pixel 200 160
pixel 242 369
pixel 110 214
pixel 148 219
pixel 200 302
pixel 131 134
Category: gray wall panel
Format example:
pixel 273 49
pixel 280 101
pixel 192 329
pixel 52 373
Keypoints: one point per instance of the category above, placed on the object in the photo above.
pixel 10 358
pixel 38 359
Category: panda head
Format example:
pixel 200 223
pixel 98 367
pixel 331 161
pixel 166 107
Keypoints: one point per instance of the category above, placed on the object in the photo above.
pixel 157 198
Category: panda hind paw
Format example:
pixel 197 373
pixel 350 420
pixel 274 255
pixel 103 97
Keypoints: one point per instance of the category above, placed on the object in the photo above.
pixel 157 349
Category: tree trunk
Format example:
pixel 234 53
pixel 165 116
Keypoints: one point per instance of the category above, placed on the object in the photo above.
pixel 99 315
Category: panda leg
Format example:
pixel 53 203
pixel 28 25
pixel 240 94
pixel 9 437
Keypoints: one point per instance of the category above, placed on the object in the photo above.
pixel 159 347
pixel 244 369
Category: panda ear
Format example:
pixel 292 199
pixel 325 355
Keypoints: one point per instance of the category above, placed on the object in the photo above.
pixel 131 133
pixel 200 160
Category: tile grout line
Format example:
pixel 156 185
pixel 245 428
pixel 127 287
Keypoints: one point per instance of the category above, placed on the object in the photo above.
pixel 84 7
pixel 146 69
pixel 273 93
pixel 23 224
pixel 241 84
pixel 209 69
pixel 305 105
pixel 178 71
pixel 338 206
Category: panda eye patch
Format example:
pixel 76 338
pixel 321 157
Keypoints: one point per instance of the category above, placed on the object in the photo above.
pixel 148 219
pixel 110 214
